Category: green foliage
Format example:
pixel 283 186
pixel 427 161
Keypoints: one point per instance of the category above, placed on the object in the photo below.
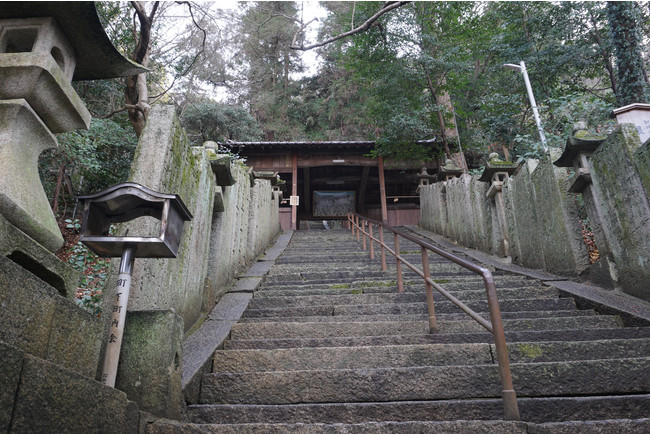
pixel 219 122
pixel 93 269
pixel 267 29
pixel 102 156
pixel 632 81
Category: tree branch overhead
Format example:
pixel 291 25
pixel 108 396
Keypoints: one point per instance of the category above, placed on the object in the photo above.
pixel 388 6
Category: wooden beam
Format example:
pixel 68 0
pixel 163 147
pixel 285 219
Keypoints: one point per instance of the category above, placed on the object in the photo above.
pixel 361 201
pixel 294 192
pixel 282 162
pixel 382 191
pixel 307 186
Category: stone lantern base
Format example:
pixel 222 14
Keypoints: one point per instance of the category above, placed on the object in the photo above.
pixel 23 136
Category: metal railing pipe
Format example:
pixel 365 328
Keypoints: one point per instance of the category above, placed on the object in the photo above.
pixel 357 219
pixel 383 248
pixel 398 265
pixel 363 234
pixel 433 324
pixel 494 326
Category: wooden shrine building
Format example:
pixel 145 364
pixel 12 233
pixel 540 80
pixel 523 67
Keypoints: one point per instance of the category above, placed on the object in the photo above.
pixel 325 180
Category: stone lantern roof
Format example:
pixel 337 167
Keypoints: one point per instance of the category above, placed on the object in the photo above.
pixel 449 170
pixel 495 165
pixel 96 56
pixel 574 146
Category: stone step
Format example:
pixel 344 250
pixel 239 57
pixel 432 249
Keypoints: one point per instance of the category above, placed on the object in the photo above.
pixel 585 377
pixel 447 427
pixel 451 286
pixel 478 294
pixel 546 409
pixel 527 352
pixel 276 330
pixel 345 256
pixel 394 356
pixel 466 282
pixel 360 273
pixel 345 268
pixel 458 315
pixel 265 307
pixel 578 335
pixel 388 280
pixel 628 426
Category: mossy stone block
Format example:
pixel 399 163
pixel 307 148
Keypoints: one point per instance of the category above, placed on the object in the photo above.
pixel 624 207
pixel 150 362
pixel 11 362
pixel 75 338
pixel 32 256
pixel 52 399
pixel 563 248
pixel 642 163
pixel 27 306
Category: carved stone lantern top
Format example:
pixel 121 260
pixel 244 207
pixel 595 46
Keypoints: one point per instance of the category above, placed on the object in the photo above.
pixel 580 141
pixel 424 174
pixel 449 170
pixel 576 152
pixel 78 23
pixel 495 165
pixel 272 177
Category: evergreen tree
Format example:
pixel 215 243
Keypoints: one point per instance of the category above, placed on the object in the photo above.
pixel 624 18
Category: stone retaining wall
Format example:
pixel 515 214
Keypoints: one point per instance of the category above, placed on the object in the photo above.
pixel 231 226
pixel 542 228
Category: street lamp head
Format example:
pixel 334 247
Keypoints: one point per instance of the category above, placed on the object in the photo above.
pixel 512 66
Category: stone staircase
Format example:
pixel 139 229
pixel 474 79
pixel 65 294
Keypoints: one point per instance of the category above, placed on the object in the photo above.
pixel 328 345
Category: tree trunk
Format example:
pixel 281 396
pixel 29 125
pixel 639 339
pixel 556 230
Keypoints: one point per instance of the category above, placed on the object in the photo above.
pixel 441 118
pixel 626 37
pixel 136 93
pixel 57 189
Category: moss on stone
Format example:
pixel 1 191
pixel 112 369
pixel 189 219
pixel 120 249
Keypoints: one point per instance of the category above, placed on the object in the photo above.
pixel 370 284
pixel 530 351
pixel 586 135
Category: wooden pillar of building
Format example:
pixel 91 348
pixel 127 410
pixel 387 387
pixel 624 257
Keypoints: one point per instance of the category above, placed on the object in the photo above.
pixel 361 202
pixel 307 195
pixel 294 192
pixel 382 191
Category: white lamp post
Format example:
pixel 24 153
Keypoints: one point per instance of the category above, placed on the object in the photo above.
pixel 522 68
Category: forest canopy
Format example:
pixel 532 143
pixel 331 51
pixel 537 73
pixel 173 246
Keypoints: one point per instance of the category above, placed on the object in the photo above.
pixel 393 72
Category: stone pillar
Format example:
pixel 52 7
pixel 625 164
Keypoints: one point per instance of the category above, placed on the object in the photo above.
pixel 577 153
pixel 623 205
pixel 496 173
pixel 150 363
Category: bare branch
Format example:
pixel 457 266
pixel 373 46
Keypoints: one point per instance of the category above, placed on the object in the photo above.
pixel 205 36
pixel 388 6
pixel 302 27
pixel 118 110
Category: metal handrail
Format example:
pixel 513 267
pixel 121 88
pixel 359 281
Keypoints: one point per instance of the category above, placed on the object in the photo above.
pixel 358 223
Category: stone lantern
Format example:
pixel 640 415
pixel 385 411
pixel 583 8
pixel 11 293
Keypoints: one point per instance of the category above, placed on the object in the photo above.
pixel 449 170
pixel 576 153
pixel 43 47
pixel 424 179
pixel 496 172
